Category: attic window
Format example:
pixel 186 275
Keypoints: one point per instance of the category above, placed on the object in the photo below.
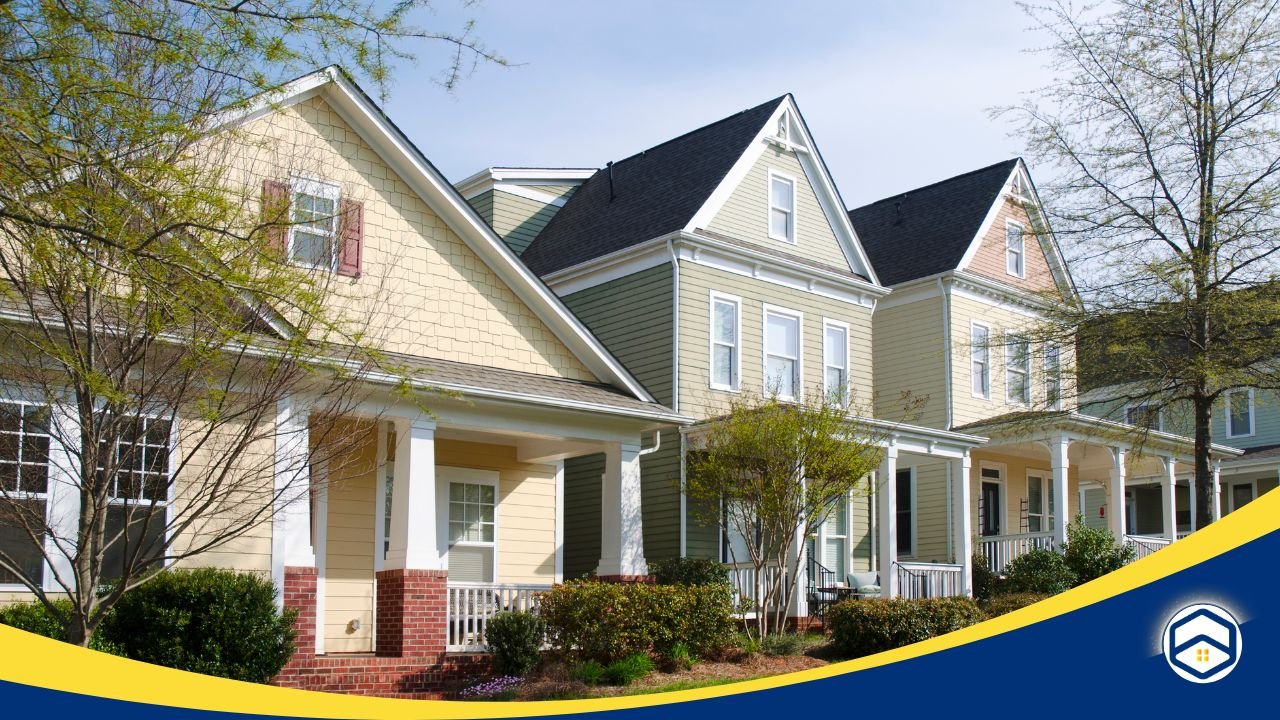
pixel 1015 247
pixel 782 127
pixel 782 208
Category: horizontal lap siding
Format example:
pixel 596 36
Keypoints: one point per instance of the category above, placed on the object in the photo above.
pixel 518 220
pixel 932 535
pixel 582 477
pixel 910 356
pixel 966 408
pixel 483 205
pixel 990 259
pixel 349 547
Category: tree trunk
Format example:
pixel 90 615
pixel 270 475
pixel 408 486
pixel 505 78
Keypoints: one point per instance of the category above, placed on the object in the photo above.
pixel 1202 406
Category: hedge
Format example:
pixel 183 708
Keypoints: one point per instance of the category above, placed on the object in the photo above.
pixel 865 627
pixel 1008 602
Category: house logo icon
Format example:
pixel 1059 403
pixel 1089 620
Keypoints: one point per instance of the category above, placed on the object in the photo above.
pixel 1202 643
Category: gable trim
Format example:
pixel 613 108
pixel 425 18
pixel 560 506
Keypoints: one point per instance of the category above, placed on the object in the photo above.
pixel 408 162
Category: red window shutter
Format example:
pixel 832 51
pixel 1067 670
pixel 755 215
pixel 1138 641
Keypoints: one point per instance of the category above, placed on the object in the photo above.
pixel 351 232
pixel 275 214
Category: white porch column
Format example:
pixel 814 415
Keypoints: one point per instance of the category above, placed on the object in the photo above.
pixel 887 517
pixel 1169 496
pixel 621 528
pixel 1215 504
pixel 1058 447
pixel 1191 500
pixel 418 540
pixel 1116 502
pixel 64 500
pixel 291 523
pixel 962 522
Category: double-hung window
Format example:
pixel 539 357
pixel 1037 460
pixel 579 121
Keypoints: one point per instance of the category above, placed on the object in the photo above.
pixel 472 531
pixel 313 235
pixel 782 354
pixel 1240 413
pixel 980 360
pixel 24 487
pixel 725 331
pixel 782 208
pixel 1052 377
pixel 135 468
pixel 1040 504
pixel 1144 416
pixel 835 351
pixel 1017 371
pixel 1015 255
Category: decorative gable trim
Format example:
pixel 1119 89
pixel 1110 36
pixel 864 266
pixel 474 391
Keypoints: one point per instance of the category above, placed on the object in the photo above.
pixel 799 141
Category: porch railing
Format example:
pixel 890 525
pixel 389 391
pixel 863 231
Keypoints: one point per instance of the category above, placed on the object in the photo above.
pixel 751 585
pixel 1000 550
pixel 929 580
pixel 471 605
pixel 1144 545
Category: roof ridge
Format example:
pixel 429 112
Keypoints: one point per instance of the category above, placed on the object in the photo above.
pixel 708 126
pixel 937 182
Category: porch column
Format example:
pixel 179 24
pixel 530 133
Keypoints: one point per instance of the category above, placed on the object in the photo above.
pixel 887 519
pixel 412 599
pixel 1215 504
pixel 64 500
pixel 1191 500
pixel 293 558
pixel 1058 447
pixel 1169 497
pixel 962 522
pixel 621 527
pixel 1116 502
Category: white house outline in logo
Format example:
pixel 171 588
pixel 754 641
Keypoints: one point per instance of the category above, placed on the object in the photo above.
pixel 1202 643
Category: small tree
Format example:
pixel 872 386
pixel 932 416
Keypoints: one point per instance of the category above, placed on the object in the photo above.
pixel 1093 552
pixel 771 472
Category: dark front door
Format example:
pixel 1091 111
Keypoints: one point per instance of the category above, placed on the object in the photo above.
pixel 990 508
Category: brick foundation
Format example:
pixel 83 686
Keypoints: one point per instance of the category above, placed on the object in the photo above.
pixel 410 640
pixel 645 579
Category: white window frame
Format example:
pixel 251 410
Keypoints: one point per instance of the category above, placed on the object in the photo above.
pixel 985 349
pixel 1020 253
pixel 1049 503
pixel 1134 406
pixel 1231 494
pixel 1053 376
pixel 766 311
pixel 736 384
pixel 792 238
pixel 820 537
pixel 915 516
pixel 1230 424
pixel 1010 370
pixel 1002 512
pixel 445 476
pixel 315 187
pixel 829 324
pixel 46 496
pixel 170 485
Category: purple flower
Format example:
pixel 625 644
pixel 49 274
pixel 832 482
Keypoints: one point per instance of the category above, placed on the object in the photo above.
pixel 496 686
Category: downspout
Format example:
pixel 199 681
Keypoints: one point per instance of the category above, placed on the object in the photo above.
pixel 675 384
pixel 946 351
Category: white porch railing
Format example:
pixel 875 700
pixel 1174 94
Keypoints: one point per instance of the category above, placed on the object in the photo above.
pixel 471 605
pixel 1000 550
pixel 929 580
pixel 1144 545
pixel 751 586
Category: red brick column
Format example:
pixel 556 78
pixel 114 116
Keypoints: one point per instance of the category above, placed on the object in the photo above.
pixel 412 612
pixel 300 594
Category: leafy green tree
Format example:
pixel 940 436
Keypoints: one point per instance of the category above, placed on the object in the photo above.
pixel 1163 130
pixel 1093 552
pixel 770 472
pixel 139 283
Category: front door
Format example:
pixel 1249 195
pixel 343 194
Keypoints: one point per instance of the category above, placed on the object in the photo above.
pixel 990 508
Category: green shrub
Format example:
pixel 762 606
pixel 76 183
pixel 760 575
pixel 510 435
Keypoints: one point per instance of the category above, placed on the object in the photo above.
pixel 680 657
pixel 689 571
pixel 1039 571
pixel 1008 602
pixel 864 627
pixel 609 621
pixel 784 644
pixel 985 582
pixel 628 669
pixel 589 672
pixel 1093 552
pixel 747 643
pixel 35 618
pixel 515 639
pixel 210 621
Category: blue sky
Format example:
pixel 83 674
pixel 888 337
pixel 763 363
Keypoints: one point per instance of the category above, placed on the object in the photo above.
pixel 896 93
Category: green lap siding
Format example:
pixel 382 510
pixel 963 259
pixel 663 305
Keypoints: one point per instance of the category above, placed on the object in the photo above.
pixel 582 514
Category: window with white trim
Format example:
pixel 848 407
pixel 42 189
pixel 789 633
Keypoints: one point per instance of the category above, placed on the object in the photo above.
pixel 137 493
pixel 313 234
pixel 1040 514
pixel 782 208
pixel 24 486
pixel 835 539
pixel 906 505
pixel 1239 413
pixel 782 354
pixel 1144 416
pixel 980 360
pixel 725 331
pixel 472 531
pixel 1052 376
pixel 835 351
pixel 1017 371
pixel 1015 256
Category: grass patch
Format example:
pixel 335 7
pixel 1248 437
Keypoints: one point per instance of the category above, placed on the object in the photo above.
pixel 684 685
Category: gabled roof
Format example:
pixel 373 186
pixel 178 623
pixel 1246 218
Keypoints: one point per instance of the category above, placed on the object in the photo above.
pixel 928 230
pixel 364 115
pixel 647 195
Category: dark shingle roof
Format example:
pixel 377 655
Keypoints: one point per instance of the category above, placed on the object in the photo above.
pixel 654 193
pixel 926 231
